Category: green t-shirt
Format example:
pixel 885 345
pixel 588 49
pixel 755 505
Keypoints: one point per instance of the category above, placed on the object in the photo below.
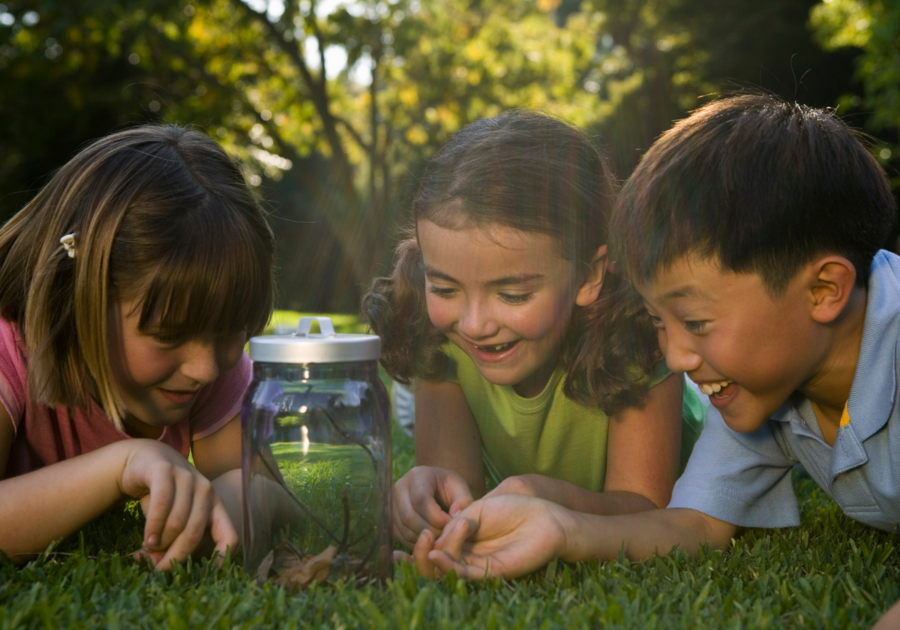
pixel 549 434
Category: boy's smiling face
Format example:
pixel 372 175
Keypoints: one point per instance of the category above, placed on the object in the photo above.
pixel 733 338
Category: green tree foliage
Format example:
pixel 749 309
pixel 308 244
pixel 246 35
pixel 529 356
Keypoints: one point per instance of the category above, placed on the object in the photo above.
pixel 667 57
pixel 873 26
pixel 66 78
pixel 254 78
pixel 336 154
pixel 414 74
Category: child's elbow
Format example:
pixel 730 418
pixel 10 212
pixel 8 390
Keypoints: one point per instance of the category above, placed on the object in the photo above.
pixel 719 534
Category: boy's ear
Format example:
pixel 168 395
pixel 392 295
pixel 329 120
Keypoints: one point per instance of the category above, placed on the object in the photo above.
pixel 593 282
pixel 832 281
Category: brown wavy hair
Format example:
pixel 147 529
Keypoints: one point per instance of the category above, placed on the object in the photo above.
pixel 534 173
pixel 159 213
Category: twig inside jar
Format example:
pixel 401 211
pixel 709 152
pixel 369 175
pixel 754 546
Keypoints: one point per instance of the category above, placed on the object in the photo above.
pixel 278 479
pixel 350 438
pixel 344 542
pixel 343 546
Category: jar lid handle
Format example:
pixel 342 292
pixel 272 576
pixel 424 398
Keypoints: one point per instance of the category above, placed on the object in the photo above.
pixel 325 326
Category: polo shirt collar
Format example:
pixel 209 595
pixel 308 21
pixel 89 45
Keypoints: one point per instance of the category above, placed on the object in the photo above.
pixel 874 388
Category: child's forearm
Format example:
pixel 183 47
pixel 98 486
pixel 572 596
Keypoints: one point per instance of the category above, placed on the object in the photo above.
pixel 511 535
pixel 447 435
pixel 50 503
pixel 603 503
pixel 626 521
pixel 574 497
pixel 641 535
pixel 610 503
pixel 890 620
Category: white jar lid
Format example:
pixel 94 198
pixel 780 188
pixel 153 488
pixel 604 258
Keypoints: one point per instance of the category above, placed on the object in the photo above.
pixel 324 347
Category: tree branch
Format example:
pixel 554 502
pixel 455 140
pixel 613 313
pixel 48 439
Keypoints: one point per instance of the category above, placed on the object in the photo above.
pixel 319 96
pixel 270 126
pixel 317 33
pixel 373 122
pixel 353 132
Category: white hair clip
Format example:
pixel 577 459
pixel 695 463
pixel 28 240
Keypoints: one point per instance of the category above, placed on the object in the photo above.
pixel 68 243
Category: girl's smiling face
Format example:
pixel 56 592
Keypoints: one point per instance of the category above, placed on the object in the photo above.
pixel 504 296
pixel 158 378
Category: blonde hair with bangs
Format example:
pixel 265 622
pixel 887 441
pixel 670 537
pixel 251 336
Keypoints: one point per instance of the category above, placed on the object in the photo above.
pixel 159 213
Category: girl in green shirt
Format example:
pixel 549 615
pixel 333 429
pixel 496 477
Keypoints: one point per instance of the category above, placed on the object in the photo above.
pixel 533 364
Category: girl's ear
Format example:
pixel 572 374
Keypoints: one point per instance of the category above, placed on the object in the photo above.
pixel 590 288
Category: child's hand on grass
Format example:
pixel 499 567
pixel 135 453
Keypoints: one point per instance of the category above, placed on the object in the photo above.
pixel 508 535
pixel 177 500
pixel 426 498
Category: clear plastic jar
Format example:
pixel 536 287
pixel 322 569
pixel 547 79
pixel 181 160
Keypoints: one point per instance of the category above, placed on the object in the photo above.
pixel 316 459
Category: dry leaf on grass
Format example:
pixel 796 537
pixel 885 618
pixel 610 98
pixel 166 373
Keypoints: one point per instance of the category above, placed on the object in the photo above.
pixel 299 573
pixel 262 573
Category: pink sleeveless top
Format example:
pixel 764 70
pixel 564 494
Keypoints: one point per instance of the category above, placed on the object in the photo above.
pixel 46 435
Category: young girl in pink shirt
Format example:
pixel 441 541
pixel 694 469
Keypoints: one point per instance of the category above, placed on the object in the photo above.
pixel 128 288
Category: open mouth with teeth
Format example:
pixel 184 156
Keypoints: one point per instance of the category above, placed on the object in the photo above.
pixel 496 348
pixel 714 389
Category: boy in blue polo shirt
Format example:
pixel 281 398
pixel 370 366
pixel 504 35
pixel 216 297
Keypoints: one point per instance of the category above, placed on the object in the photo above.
pixel 752 232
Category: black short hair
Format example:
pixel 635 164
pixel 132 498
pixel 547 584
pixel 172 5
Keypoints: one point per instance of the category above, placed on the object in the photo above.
pixel 757 184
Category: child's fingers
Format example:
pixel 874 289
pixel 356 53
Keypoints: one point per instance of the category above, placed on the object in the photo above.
pixel 455 536
pixel 410 520
pixel 449 551
pixel 422 494
pixel 468 571
pixel 180 510
pixel 402 531
pixel 454 492
pixel 192 534
pixel 400 507
pixel 460 504
pixel 428 513
pixel 156 505
pixel 424 566
pixel 222 529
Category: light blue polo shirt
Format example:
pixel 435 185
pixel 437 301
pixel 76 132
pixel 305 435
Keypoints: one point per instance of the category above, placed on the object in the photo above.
pixel 745 479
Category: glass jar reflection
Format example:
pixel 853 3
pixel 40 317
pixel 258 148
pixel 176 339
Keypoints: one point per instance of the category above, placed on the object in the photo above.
pixel 316 473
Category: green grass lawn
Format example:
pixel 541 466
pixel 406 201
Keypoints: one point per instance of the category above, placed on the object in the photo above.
pixel 828 573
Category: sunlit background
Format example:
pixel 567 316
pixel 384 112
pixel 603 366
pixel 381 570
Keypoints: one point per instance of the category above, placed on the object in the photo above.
pixel 334 106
